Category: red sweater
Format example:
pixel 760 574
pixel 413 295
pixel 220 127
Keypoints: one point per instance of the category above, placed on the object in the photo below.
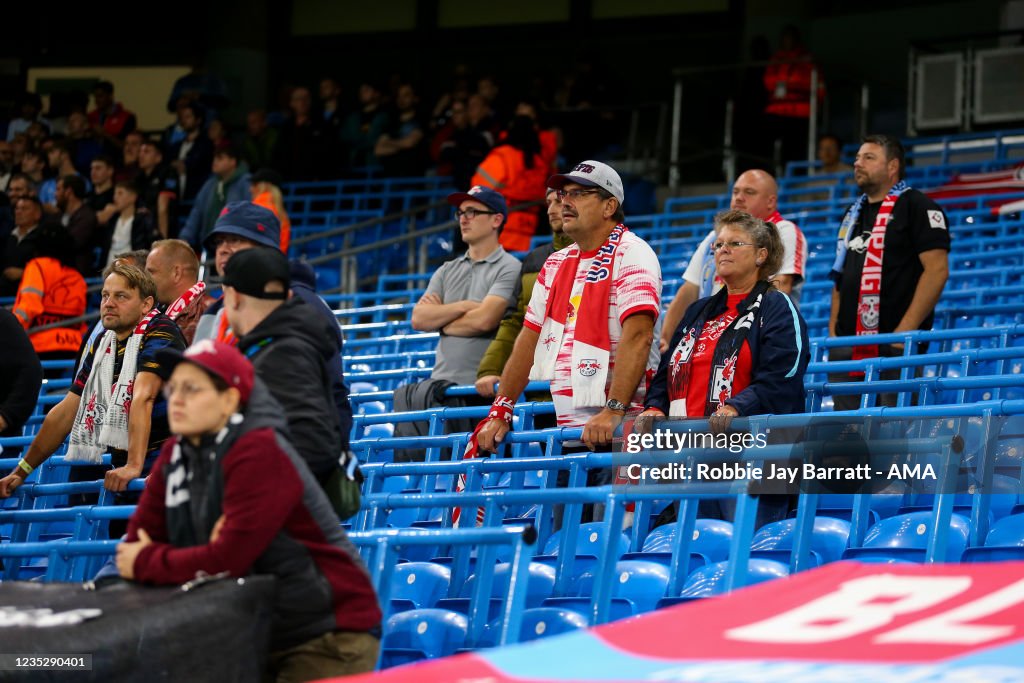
pixel 277 521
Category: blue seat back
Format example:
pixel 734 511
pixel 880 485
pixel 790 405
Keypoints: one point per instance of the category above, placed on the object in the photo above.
pixel 419 584
pixel 828 539
pixel 710 580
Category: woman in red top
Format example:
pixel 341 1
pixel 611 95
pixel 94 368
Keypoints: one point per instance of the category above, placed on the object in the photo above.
pixel 744 350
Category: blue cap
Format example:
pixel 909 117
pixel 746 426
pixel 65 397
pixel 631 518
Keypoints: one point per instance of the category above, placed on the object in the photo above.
pixel 251 221
pixel 492 199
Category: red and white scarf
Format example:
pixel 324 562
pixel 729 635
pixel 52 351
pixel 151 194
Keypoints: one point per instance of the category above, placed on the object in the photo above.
pixel 501 409
pixel 869 299
pixel 185 300
pixel 591 347
pixel 102 418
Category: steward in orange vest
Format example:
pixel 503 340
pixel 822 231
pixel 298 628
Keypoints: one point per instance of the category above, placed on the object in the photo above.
pixel 517 170
pixel 52 290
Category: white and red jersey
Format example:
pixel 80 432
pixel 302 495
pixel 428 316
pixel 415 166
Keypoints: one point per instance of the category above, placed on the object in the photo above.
pixel 635 289
pixel 794 253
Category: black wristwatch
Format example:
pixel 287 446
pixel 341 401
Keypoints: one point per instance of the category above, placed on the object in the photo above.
pixel 617 406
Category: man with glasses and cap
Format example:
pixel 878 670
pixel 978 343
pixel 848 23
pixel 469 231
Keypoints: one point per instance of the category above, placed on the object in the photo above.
pixel 465 301
pixel 467 297
pixel 589 325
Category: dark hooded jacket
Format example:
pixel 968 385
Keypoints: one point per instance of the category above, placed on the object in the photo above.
pixel 304 287
pixel 277 521
pixel 291 350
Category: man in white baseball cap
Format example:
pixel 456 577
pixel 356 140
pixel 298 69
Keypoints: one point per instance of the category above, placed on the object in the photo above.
pixel 590 321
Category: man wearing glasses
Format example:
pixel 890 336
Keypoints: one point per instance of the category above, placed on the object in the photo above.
pixel 589 325
pixel 468 296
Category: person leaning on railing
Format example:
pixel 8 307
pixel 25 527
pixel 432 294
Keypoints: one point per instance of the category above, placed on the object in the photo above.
pixel 230 494
pixel 743 351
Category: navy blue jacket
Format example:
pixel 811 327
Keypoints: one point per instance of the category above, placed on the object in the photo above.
pixel 779 353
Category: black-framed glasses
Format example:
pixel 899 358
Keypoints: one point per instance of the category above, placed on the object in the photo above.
pixel 717 246
pixel 472 213
pixel 574 194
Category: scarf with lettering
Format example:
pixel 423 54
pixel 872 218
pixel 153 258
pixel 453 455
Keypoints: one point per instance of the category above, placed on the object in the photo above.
pixel 102 418
pixel 869 296
pixel 725 357
pixel 591 347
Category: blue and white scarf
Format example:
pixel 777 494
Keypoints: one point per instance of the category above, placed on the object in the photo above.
pixel 850 222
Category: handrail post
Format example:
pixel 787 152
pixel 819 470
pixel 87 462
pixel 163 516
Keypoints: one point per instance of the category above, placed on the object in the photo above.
pixel 865 99
pixel 812 122
pixel 729 160
pixel 677 116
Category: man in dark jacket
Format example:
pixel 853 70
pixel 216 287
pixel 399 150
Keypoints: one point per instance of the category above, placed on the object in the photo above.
pixel 290 346
pixel 304 287
pixel 21 375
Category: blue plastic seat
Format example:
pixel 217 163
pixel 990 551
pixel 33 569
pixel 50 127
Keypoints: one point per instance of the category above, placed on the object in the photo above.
pixel 710 543
pixel 589 546
pixel 906 537
pixel 1005 541
pixel 372 408
pixel 828 539
pixel 541 622
pixel 422 634
pixel 417 585
pixel 636 583
pixel 540 584
pixel 710 580
pixel 589 541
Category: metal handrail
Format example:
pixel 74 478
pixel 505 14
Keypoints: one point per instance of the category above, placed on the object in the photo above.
pixel 417 264
pixel 370 222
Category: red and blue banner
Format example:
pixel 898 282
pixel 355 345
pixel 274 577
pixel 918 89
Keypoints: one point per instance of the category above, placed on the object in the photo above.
pixel 844 623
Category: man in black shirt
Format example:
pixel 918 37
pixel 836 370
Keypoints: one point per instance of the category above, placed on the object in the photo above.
pixel 158 188
pixel 892 258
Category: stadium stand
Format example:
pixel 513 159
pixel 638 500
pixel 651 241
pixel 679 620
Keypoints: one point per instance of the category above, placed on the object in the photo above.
pixel 446 590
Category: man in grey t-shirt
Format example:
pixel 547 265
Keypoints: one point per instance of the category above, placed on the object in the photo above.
pixel 468 296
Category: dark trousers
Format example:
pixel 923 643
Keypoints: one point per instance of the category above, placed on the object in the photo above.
pixel 852 401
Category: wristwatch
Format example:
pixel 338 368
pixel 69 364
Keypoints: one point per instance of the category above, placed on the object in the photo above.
pixel 618 406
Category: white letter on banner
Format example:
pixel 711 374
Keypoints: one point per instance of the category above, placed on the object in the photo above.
pixel 850 610
pixel 951 627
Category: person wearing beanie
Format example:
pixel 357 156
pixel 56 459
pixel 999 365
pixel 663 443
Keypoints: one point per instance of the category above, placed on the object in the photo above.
pixel 244 501
pixel 241 225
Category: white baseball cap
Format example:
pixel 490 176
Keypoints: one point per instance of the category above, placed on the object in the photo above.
pixel 592 174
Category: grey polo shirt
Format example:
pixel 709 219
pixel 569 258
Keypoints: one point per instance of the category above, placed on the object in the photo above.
pixel 457 358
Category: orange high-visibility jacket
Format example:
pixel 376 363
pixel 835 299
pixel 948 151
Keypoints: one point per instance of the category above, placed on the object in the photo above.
pixel 266 200
pixel 51 292
pixel 505 171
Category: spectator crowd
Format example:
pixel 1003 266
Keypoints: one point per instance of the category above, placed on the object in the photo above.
pixel 243 395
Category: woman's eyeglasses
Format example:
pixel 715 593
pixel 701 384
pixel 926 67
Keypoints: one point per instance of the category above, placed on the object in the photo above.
pixel 717 246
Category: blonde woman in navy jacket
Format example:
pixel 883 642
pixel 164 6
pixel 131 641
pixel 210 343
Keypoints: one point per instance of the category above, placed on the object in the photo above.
pixel 742 351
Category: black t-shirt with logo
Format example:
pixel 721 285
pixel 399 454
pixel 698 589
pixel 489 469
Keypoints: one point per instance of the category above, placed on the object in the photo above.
pixel 917 225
